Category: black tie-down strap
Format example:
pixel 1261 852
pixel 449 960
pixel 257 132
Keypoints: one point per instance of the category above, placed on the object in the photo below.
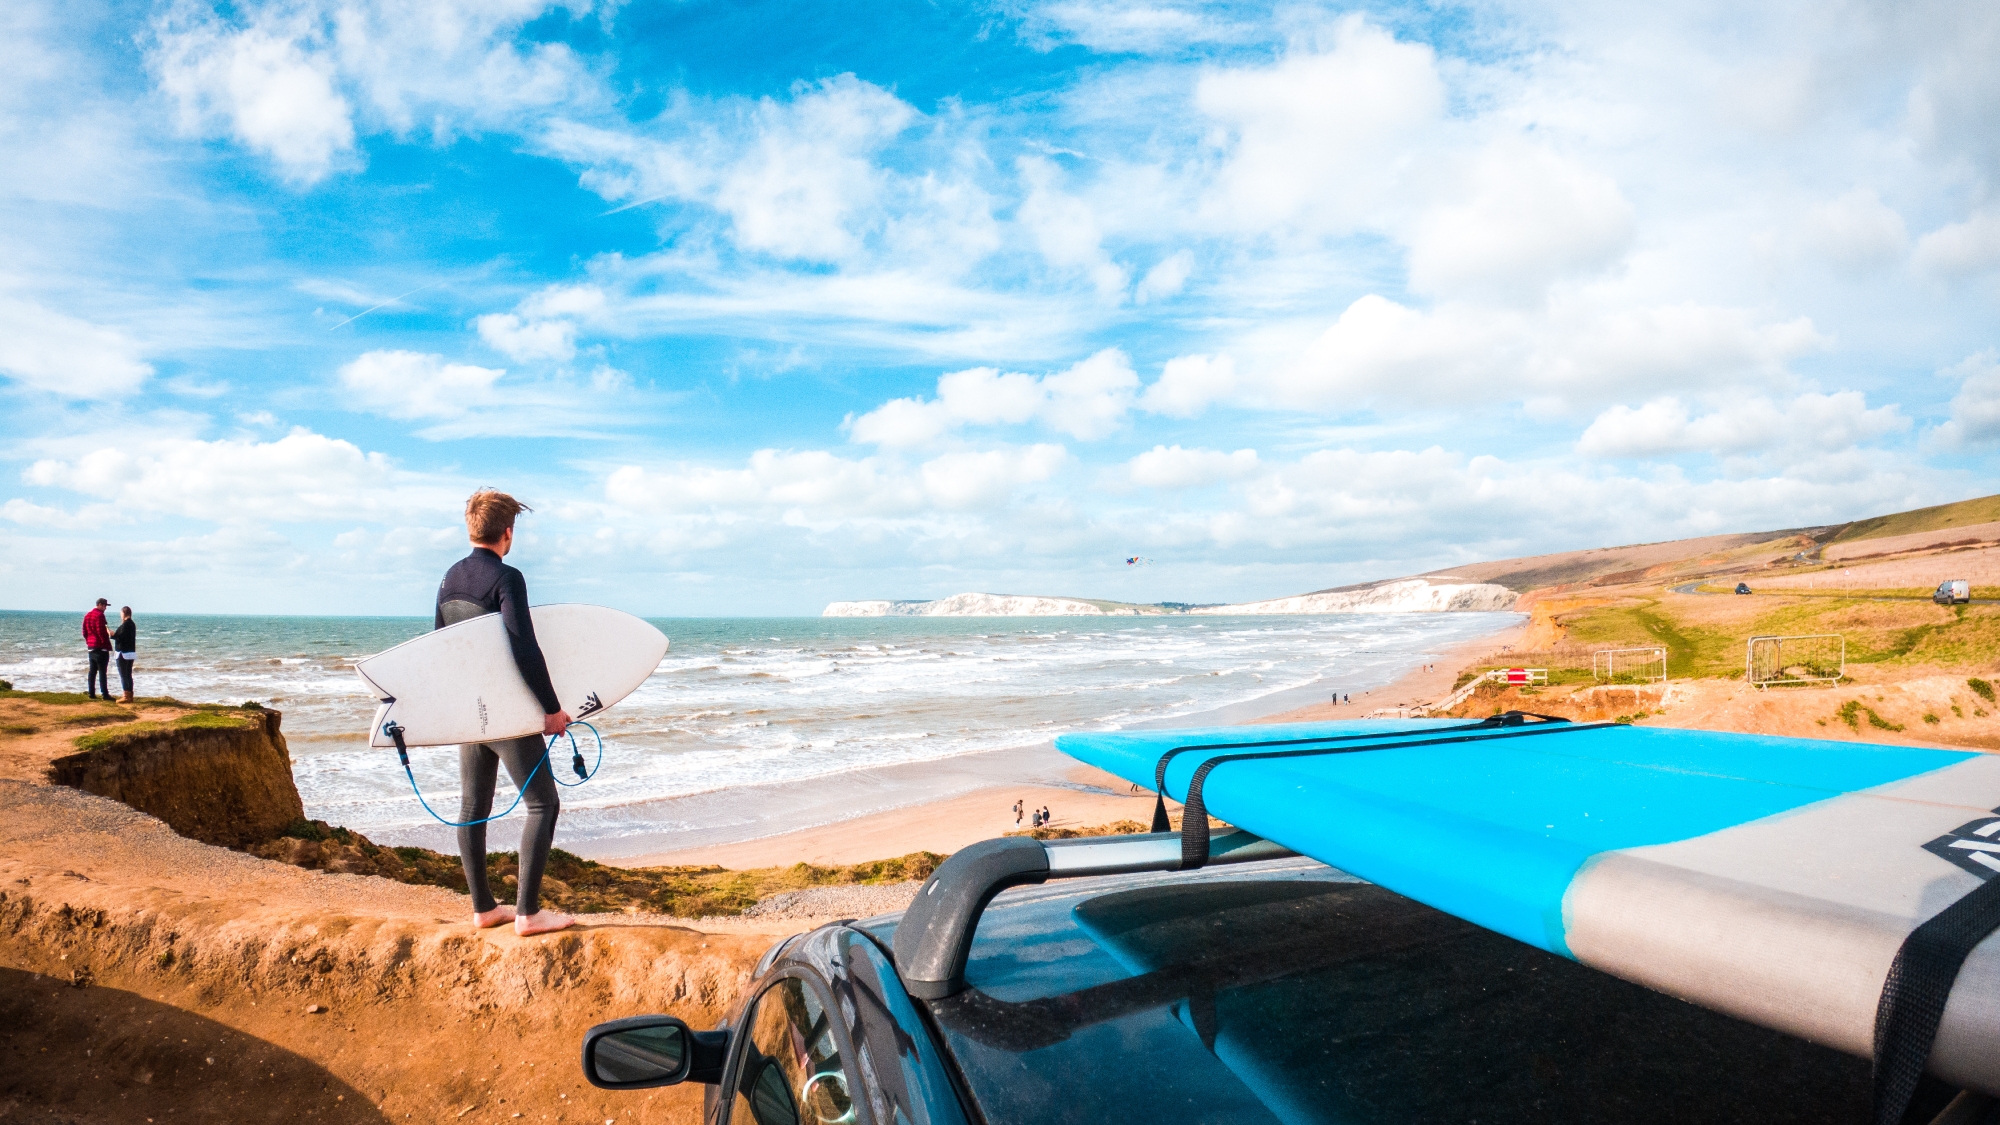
pixel 1914 996
pixel 1194 811
pixel 1162 824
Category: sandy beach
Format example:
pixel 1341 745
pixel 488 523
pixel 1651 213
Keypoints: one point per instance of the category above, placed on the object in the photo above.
pixel 1089 796
pixel 936 826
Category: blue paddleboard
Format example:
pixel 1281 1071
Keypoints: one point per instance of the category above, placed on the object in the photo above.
pixel 1770 878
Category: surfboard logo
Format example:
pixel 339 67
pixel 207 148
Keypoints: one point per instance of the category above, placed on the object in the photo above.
pixel 1974 847
pixel 592 705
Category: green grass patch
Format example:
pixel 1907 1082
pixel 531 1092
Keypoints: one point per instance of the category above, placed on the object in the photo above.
pixel 578 884
pixel 204 719
pixel 1980 688
pixel 1964 513
pixel 689 892
pixel 1691 650
pixel 60 698
pixel 1875 632
pixel 1852 712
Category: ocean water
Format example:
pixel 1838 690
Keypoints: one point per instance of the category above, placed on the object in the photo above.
pixel 743 710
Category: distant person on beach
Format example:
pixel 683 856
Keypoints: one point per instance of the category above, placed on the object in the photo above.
pixel 125 643
pixel 1017 814
pixel 475 586
pixel 97 639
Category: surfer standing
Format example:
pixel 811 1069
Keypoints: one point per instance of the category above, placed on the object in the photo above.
pixel 475 586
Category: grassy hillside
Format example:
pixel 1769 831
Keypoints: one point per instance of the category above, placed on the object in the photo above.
pixel 1678 559
pixel 1705 636
pixel 1964 513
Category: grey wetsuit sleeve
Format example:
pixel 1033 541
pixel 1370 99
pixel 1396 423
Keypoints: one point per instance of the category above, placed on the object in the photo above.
pixel 521 638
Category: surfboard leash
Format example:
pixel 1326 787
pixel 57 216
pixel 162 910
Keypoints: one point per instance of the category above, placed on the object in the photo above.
pixel 395 732
pixel 1194 810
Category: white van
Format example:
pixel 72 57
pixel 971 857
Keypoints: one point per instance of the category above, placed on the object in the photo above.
pixel 1953 590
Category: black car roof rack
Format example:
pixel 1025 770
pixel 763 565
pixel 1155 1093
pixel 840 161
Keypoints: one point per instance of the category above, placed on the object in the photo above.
pixel 935 936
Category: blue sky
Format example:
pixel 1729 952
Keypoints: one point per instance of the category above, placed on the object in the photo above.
pixel 765 305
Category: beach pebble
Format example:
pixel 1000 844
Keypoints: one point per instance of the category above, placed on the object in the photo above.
pixel 850 900
pixel 315 1009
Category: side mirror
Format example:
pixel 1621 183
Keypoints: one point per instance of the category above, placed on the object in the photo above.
pixel 647 1051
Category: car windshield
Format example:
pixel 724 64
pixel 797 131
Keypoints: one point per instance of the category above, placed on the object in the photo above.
pixel 1291 993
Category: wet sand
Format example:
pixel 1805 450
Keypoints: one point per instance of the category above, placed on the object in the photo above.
pixel 936 826
pixel 1418 687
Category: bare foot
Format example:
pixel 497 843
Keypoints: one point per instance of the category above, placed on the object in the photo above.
pixel 542 922
pixel 498 916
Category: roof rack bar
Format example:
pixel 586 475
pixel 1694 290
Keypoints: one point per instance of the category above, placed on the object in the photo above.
pixel 934 939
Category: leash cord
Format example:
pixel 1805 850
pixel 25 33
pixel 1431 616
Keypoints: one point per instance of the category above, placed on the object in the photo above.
pixel 395 732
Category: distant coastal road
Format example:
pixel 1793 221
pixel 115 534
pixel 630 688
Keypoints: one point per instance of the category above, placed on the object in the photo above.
pixel 1695 589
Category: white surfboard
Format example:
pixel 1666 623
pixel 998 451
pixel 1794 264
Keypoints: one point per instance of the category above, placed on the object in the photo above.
pixel 459 684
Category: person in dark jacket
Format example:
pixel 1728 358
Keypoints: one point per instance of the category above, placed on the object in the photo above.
pixel 125 647
pixel 477 585
pixel 97 639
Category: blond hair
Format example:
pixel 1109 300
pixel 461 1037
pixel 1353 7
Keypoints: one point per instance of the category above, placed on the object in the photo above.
pixel 488 515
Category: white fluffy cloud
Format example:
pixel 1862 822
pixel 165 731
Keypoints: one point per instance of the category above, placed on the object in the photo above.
pixel 988 477
pixel 404 384
pixel 525 341
pixel 284 77
pixel 1166 277
pixel 1319 140
pixel 1189 383
pixel 1856 231
pixel 262 87
pixel 1087 401
pixel 59 354
pixel 1573 354
pixel 1527 217
pixel 1066 229
pixel 817 486
pixel 1173 467
pixel 1811 422
pixel 1975 410
pixel 796 178
pixel 1964 248
pixel 299 478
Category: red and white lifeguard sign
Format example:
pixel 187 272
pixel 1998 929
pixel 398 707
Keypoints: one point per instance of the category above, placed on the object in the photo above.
pixel 1517 675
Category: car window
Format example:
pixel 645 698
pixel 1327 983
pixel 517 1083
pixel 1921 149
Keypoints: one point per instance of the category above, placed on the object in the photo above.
pixel 791 1072
pixel 1281 996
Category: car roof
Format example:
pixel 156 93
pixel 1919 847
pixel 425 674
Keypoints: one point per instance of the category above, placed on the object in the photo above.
pixel 1287 991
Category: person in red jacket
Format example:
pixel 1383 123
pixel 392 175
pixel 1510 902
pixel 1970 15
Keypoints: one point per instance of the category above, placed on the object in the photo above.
pixel 98 639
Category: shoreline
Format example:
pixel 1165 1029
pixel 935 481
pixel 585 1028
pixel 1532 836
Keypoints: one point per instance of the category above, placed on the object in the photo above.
pixel 1076 795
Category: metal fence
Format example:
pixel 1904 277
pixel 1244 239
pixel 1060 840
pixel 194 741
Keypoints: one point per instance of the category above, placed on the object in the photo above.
pixel 1815 658
pixel 1629 665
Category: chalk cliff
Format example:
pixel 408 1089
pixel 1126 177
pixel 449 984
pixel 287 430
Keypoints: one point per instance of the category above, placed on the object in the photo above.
pixel 970 605
pixel 1408 595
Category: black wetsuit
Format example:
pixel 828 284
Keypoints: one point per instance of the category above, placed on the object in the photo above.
pixel 475 586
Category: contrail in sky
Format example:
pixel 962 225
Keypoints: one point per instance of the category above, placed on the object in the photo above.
pixel 634 203
pixel 385 304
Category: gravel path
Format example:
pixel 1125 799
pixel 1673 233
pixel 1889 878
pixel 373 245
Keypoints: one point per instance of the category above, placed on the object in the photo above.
pixel 855 900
